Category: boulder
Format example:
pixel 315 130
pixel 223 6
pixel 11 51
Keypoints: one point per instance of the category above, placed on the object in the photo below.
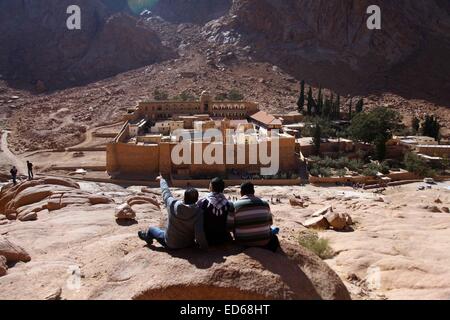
pixel 27 216
pixel 339 221
pixel 12 252
pixel 3 266
pixel 434 209
pixel 226 273
pixel 296 202
pixel 322 211
pixel 125 212
pixel 317 223
pixel 99 199
pixel 445 209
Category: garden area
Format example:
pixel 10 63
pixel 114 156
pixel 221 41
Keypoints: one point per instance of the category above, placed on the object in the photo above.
pixel 343 166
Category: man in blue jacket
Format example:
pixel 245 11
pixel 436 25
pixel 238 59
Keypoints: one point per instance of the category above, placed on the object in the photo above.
pixel 184 225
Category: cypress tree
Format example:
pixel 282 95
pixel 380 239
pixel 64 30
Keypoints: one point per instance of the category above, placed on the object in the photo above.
pixel 317 138
pixel 310 102
pixel 301 99
pixel 360 106
pixel 415 125
pixel 319 104
pixel 338 108
pixel 350 111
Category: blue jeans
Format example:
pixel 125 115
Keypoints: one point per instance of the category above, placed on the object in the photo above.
pixel 157 234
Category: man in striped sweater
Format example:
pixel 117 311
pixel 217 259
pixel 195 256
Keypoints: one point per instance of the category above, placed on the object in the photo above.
pixel 251 221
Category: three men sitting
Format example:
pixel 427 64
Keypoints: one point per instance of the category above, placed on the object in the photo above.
pixel 210 220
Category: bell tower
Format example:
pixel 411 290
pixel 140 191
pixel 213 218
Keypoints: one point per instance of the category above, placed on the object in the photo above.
pixel 205 102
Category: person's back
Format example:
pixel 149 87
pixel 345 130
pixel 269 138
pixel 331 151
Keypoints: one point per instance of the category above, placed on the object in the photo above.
pixel 185 222
pixel 251 219
pixel 216 208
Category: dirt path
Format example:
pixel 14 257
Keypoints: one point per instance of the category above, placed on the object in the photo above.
pixel 14 159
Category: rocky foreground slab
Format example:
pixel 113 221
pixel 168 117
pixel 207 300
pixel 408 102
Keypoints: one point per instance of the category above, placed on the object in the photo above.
pixel 80 251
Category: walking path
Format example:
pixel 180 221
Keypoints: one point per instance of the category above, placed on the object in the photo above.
pixel 14 159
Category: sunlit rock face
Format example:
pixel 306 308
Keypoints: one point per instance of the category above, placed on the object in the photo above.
pixel 37 46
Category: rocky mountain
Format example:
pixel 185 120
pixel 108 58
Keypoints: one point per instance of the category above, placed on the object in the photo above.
pixel 325 42
pixel 328 43
pixel 35 44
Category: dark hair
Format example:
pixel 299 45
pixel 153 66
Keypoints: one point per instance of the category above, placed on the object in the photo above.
pixel 190 196
pixel 247 188
pixel 217 185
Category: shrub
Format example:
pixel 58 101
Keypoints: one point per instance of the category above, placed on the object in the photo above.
pixel 341 172
pixel 311 241
pixel 160 95
pixel 235 95
pixel 186 96
pixel 413 163
pixel 221 97
pixel 325 172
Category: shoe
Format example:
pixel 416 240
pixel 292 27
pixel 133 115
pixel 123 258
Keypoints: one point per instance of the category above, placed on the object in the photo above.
pixel 143 236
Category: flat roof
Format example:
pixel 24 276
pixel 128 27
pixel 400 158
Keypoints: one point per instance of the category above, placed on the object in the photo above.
pixel 437 146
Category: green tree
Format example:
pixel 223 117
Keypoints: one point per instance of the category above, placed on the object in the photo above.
pixel 376 127
pixel 415 125
pixel 380 147
pixel 327 109
pixel 350 111
pixel 310 102
pixel 337 108
pixel 319 104
pixel 431 127
pixel 360 106
pixel 415 164
pixel 317 138
pixel 301 99
pixel 186 96
pixel 160 95
pixel 235 95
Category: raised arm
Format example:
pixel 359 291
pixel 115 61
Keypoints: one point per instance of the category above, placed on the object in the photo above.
pixel 167 195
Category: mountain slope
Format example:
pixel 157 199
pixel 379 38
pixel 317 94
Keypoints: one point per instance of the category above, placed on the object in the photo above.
pixel 36 45
pixel 327 42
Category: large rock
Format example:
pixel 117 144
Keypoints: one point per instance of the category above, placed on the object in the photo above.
pixel 294 202
pixel 125 212
pixel 3 266
pixel 12 252
pixel 320 223
pixel 338 221
pixel 223 273
pixel 26 200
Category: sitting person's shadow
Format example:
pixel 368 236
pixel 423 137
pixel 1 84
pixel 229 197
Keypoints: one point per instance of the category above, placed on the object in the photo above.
pixel 284 263
pixel 202 259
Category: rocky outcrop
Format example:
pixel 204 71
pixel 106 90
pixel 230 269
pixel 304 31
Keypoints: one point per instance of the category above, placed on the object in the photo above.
pixel 12 252
pixel 36 46
pixel 224 274
pixel 24 201
pixel 326 218
pixel 3 266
